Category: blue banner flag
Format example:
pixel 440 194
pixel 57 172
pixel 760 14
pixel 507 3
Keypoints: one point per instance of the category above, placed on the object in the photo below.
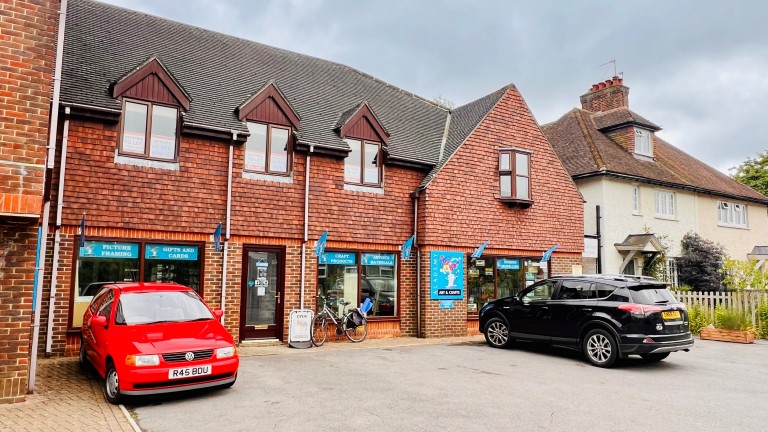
pixel 217 238
pixel 480 249
pixel 548 253
pixel 320 249
pixel 82 231
pixel 406 251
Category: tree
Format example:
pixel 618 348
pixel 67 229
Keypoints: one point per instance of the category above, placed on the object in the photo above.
pixel 740 275
pixel 699 263
pixel 754 173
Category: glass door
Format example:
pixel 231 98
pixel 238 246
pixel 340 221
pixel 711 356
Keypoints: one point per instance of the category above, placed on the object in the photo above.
pixel 262 294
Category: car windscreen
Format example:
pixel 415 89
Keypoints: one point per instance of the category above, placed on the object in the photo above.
pixel 651 294
pixel 161 306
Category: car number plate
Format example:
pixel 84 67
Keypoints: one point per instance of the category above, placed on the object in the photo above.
pixel 671 315
pixel 189 372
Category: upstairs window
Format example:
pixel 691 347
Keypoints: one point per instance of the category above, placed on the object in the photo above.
pixel 731 214
pixel 636 199
pixel 149 130
pixel 643 142
pixel 268 149
pixel 514 175
pixel 665 204
pixel 363 165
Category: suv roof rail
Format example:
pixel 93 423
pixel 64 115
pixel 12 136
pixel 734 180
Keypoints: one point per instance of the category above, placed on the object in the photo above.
pixel 619 277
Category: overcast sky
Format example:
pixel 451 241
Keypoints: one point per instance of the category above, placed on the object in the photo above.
pixel 697 68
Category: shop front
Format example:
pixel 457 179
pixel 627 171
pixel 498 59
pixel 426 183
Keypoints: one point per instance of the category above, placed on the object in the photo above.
pixel 104 261
pixel 492 277
pixel 263 293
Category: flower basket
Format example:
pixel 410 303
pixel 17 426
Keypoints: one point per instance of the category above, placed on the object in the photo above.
pixel 738 336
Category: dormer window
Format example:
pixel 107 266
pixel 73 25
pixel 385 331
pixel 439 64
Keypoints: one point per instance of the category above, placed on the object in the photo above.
pixel 514 175
pixel 268 149
pixel 149 130
pixel 643 142
pixel 363 165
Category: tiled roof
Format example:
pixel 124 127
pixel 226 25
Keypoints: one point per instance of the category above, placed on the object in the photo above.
pixel 584 151
pixel 619 117
pixel 463 121
pixel 103 43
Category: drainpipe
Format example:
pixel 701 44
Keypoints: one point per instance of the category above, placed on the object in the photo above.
pixel 57 235
pixel 226 235
pixel 306 224
pixel 52 128
pixel 418 262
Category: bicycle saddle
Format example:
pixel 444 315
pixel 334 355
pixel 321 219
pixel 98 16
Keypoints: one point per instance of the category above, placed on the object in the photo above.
pixel 344 302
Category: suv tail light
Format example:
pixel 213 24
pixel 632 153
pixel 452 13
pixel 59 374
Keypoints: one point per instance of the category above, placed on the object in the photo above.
pixel 638 310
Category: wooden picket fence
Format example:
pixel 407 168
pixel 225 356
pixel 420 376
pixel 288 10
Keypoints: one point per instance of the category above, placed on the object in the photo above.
pixel 748 301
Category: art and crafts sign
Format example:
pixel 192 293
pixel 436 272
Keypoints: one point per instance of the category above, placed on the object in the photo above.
pixel 446 271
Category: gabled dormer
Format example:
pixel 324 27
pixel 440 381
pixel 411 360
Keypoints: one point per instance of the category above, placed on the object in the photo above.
pixel 151 103
pixel 272 123
pixel 609 101
pixel 367 139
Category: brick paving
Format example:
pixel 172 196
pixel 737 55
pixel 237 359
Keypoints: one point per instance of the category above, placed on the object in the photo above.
pixel 67 399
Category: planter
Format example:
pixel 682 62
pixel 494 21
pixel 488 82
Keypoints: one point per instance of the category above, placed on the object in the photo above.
pixel 739 336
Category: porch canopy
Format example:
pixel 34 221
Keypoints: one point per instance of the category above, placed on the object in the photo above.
pixel 646 245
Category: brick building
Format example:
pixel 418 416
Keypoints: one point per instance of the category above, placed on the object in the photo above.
pixel 27 48
pixel 168 132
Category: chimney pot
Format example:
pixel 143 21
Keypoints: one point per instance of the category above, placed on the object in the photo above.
pixel 615 80
pixel 608 83
pixel 601 85
pixel 621 81
pixel 595 87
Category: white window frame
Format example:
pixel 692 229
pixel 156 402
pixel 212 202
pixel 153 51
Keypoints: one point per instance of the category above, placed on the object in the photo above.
pixel 730 214
pixel 665 204
pixel 644 137
pixel 635 199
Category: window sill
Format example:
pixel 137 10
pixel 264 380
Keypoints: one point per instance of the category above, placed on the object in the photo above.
pixel 643 157
pixel 666 217
pixel 146 163
pixel 268 177
pixel 722 225
pixel 517 202
pixel 367 189
pixel 634 213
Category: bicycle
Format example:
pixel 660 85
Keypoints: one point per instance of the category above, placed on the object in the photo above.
pixel 344 324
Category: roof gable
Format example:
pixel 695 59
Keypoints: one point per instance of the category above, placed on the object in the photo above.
pixel 270 106
pixel 151 81
pixel 361 122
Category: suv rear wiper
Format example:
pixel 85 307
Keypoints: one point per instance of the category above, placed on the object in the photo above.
pixel 662 302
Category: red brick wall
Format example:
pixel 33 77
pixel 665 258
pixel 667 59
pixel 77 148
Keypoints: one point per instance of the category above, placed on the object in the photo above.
pixel 27 45
pixel 460 208
pixel 613 94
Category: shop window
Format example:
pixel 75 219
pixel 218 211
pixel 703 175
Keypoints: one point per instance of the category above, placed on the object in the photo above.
pixel 490 278
pixel 363 164
pixel 149 130
pixel 268 149
pixel 100 263
pixel 514 175
pixel 375 278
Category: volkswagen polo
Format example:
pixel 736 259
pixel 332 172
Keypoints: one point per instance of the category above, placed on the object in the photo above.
pixel 150 338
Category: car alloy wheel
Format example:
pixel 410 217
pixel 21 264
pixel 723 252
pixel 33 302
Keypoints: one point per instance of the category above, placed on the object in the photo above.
pixel 600 348
pixel 83 358
pixel 497 333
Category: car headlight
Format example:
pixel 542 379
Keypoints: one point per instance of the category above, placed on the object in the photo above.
pixel 142 360
pixel 225 352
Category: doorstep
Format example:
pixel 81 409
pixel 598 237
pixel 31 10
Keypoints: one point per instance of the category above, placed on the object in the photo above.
pixel 268 342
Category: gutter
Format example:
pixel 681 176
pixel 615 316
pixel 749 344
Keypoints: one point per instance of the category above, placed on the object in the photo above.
pixel 228 223
pixel 52 129
pixel 306 224
pixel 57 235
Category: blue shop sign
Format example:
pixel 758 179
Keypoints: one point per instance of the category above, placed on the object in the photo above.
pixel 171 252
pixel 341 258
pixel 384 260
pixel 508 264
pixel 94 249
pixel 446 271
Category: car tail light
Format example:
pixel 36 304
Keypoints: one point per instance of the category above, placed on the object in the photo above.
pixel 638 310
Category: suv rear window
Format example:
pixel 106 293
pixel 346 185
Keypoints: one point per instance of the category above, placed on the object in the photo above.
pixel 651 295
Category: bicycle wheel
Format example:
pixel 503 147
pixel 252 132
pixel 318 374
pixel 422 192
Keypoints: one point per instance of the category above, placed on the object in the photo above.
pixel 319 330
pixel 357 333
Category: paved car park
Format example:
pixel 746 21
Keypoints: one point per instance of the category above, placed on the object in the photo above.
pixel 468 386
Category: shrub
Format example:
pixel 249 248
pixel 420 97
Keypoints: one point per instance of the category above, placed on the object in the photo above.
pixel 684 288
pixel 699 263
pixel 696 319
pixel 732 319
pixel 762 318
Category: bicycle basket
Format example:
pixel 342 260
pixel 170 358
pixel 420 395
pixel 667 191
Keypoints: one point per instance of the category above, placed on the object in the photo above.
pixel 356 318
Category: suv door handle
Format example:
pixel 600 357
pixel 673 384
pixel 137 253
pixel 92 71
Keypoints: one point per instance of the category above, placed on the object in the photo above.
pixel 587 309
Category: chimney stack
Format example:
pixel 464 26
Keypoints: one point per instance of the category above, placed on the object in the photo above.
pixel 606 95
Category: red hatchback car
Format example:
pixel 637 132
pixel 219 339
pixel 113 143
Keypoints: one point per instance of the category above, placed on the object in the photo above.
pixel 150 338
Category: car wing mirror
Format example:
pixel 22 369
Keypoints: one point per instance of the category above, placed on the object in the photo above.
pixel 99 320
pixel 218 313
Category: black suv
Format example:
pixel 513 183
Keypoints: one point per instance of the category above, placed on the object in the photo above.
pixel 606 317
